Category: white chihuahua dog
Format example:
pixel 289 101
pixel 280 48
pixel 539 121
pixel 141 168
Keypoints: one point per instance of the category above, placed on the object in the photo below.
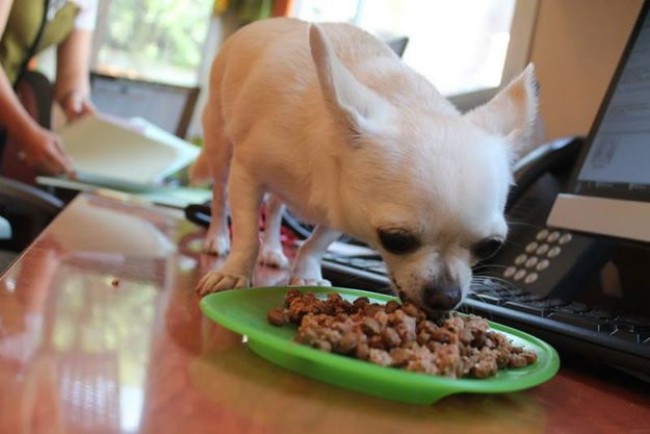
pixel 332 123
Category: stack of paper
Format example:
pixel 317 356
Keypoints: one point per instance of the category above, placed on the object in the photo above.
pixel 130 155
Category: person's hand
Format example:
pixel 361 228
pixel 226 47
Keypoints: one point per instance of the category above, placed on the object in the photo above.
pixel 76 105
pixel 44 150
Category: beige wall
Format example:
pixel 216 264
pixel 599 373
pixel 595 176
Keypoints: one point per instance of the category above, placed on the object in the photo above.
pixel 576 46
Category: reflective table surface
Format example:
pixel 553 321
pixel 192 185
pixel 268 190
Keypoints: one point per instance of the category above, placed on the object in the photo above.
pixel 100 332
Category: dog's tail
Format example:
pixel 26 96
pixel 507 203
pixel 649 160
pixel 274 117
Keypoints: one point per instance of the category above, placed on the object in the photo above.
pixel 199 171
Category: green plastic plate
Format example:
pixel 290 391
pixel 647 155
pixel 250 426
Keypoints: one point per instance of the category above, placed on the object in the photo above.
pixel 245 311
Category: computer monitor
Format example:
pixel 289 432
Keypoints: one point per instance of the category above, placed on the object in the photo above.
pixel 610 189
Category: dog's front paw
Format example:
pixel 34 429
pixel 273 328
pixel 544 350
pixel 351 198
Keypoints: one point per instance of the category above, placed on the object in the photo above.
pixel 273 258
pixel 216 245
pixel 306 281
pixel 215 281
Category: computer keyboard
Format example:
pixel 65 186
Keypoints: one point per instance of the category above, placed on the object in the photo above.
pixel 602 336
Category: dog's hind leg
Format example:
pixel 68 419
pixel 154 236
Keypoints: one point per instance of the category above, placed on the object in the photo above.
pixel 271 253
pixel 306 268
pixel 218 153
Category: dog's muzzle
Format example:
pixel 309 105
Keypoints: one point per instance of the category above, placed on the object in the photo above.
pixel 442 299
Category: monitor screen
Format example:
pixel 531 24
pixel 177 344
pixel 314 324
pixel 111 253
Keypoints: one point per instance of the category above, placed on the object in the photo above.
pixel 610 193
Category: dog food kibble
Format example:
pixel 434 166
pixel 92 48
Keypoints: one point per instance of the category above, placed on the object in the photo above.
pixel 399 336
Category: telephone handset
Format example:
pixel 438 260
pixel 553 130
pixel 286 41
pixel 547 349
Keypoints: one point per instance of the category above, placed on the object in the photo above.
pixel 557 158
pixel 542 260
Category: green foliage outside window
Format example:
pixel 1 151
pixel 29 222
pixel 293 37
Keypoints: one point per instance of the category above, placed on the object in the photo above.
pixel 154 37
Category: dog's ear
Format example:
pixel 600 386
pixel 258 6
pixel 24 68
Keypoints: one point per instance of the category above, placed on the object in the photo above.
pixel 348 100
pixel 512 112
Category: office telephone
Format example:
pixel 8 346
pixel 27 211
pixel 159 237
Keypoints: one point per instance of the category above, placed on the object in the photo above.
pixel 541 260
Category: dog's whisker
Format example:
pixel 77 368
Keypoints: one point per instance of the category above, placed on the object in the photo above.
pixel 464 309
pixel 495 282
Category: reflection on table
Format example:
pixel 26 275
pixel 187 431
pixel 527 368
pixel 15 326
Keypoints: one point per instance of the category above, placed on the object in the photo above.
pixel 100 331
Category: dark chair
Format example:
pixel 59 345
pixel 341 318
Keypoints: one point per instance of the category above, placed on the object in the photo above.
pixel 166 105
pixel 24 209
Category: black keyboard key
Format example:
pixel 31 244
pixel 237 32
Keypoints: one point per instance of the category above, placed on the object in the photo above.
pixel 525 307
pixel 380 269
pixel 480 289
pixel 584 310
pixel 599 314
pixel 550 302
pixel 529 297
pixel 486 298
pixel 638 323
pixel 514 291
pixel 576 320
pixel 627 335
pixel 362 263
pixel 340 260
pixel 578 307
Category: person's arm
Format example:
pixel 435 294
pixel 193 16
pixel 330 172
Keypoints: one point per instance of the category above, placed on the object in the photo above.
pixel 72 87
pixel 13 116
pixel 40 147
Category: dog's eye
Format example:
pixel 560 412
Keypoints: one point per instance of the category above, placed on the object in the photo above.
pixel 398 241
pixel 487 248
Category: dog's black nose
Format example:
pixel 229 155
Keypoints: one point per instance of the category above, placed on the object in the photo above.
pixel 445 298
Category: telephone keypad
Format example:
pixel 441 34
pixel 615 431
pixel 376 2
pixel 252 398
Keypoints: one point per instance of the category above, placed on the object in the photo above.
pixel 537 256
pixel 542 249
pixel 553 237
pixel 531 247
pixel 520 259
pixel 531 278
pixel 555 251
pixel 531 262
pixel 509 272
pixel 519 274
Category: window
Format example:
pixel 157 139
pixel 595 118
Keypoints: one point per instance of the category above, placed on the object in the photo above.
pixel 465 55
pixel 161 41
